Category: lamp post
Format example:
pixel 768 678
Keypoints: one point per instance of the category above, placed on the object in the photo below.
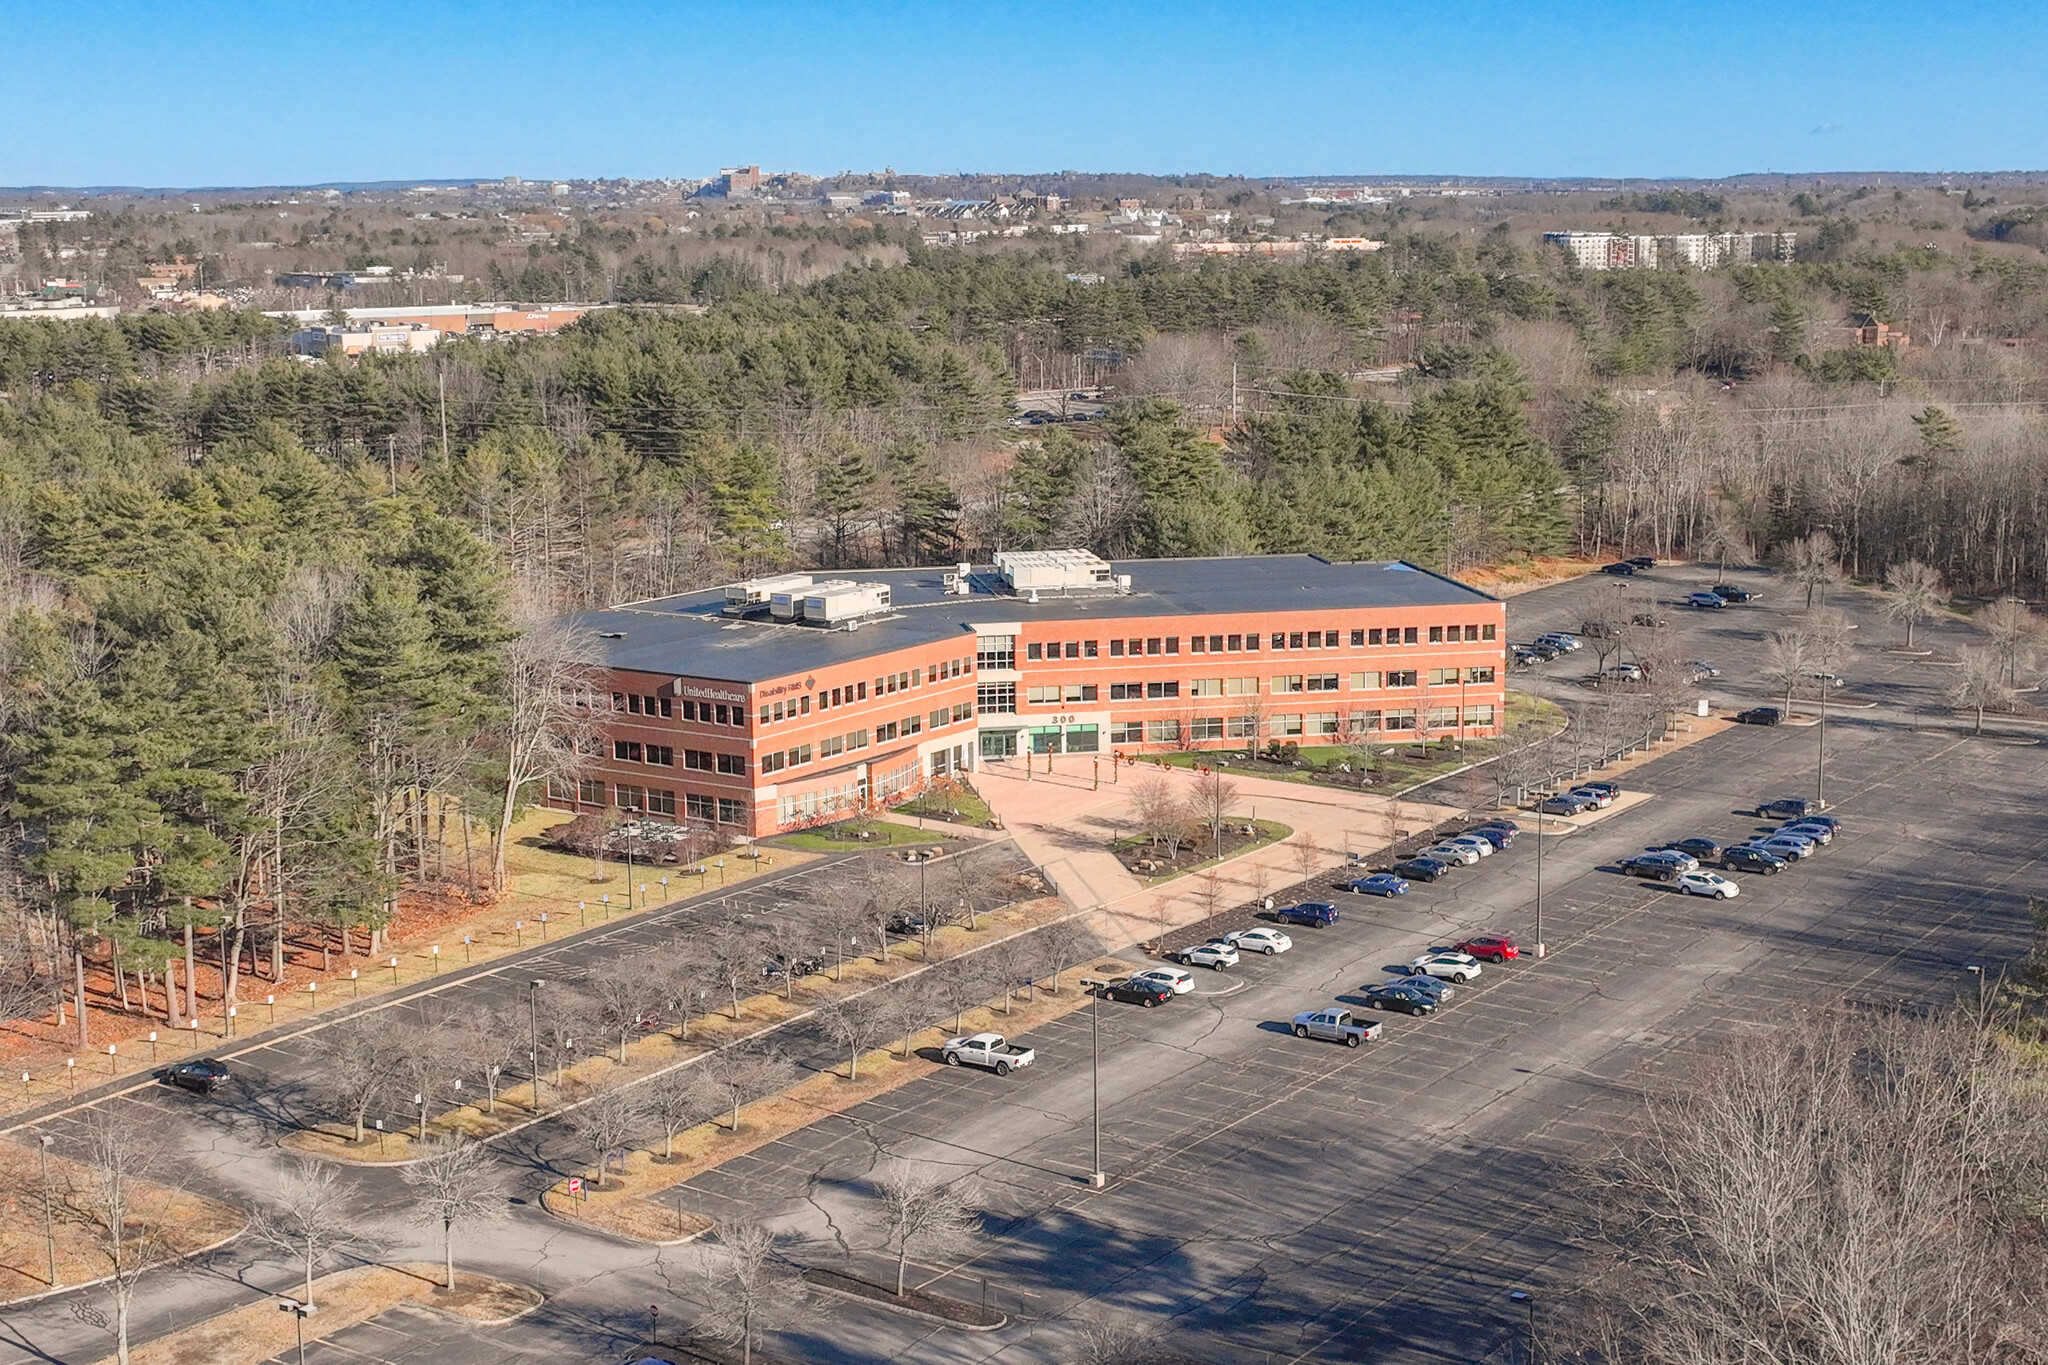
pixel 1539 878
pixel 49 1218
pixel 353 973
pixel 1974 970
pixel 720 864
pixel 1096 1178
pixel 300 1312
pixel 1528 1301
pixel 533 1019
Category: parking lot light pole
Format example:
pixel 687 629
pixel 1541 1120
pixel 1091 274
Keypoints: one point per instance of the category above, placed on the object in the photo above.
pixel 1539 878
pixel 533 1020
pixel 49 1218
pixel 1096 1178
pixel 1528 1301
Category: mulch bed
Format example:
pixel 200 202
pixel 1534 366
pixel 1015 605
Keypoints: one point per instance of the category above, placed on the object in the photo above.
pixel 935 1305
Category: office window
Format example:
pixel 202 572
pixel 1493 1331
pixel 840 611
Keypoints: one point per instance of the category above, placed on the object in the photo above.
pixel 1279 640
pixel 1043 696
pixel 689 710
pixel 1436 634
pixel 1401 678
pixel 650 706
pixel 731 811
pixel 633 705
pixel 831 746
pixel 1443 717
pixel 764 713
pixel 772 762
pixel 1206 687
pixel 661 755
pixel 1080 691
pixel 963 710
pixel 800 755
pixel 992 699
pixel 1315 639
pixel 1126 691
pixel 1397 720
pixel 1486 632
pixel 1160 691
pixel 590 793
pixel 1479 715
pixel 1365 682
pixel 1233 643
pixel 1471 634
pixel 1241 727
pixel 778 710
pixel 1088 649
pixel 1322 682
pixel 1162 732
pixel 1251 644
pixel 803 704
pixel 699 759
pixel 1323 723
pixel 1034 651
pixel 1294 639
pixel 995 651
pixel 1287 682
pixel 1206 727
pixel 1240 687
pixel 618 701
pixel 733 765
pixel 1357 639
pixel 860 691
pixel 1439 677
pixel 913 725
pixel 857 740
pixel 1284 727
pixel 1407 636
pixel 561 789
pixel 885 732
pixel 699 807
pixel 1364 722
pixel 1116 649
pixel 938 717
pixel 629 798
pixel 1152 645
pixel 626 750
pixel 1372 637
pixel 1173 644
pixel 1198 644
pixel 661 803
pixel 1479 675
pixel 1127 732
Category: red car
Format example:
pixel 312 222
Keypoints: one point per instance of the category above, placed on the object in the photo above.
pixel 1490 947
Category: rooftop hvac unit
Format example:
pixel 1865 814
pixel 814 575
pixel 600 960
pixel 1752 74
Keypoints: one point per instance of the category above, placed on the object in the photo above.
pixel 1053 570
pixel 1123 582
pixel 756 593
pixel 840 603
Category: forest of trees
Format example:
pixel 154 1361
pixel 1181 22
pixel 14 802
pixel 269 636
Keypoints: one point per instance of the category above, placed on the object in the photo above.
pixel 259 619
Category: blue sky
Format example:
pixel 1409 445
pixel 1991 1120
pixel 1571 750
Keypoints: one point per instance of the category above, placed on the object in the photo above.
pixel 250 92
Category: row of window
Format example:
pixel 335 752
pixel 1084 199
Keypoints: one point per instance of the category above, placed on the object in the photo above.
pixel 1003 647
pixel 664 756
pixel 886 685
pixel 724 810
pixel 1372 681
pixel 1310 725
pixel 708 713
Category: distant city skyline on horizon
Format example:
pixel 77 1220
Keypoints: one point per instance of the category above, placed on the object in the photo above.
pixel 1512 90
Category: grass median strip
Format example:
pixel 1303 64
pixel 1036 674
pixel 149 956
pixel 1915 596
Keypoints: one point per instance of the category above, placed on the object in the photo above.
pixel 258 1331
pixel 626 1204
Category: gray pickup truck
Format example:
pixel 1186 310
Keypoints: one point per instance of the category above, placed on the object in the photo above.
pixel 990 1050
pixel 1337 1025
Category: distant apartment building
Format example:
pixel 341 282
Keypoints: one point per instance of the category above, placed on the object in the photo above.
pixel 739 180
pixel 1696 250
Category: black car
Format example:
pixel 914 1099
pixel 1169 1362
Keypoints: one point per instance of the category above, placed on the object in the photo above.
pixel 1399 995
pixel 1150 994
pixel 1642 562
pixel 1621 570
pixel 202 1075
pixel 1760 715
pixel 1731 593
pixel 908 924
pixel 1649 867
pixel 1650 619
pixel 1706 850
pixel 1421 869
pixel 1786 808
pixel 1751 860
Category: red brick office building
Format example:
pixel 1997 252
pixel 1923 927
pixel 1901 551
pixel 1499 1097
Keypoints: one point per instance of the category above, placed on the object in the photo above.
pixel 785 701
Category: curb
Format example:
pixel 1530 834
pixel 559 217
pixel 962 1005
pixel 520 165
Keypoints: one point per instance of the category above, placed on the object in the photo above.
pixel 571 1221
pixel 109 1279
pixel 1002 1319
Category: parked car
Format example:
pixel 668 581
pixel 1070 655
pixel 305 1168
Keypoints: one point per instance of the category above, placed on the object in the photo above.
pixel 1649 619
pixel 1830 681
pixel 201 1075
pixel 1494 948
pixel 1622 569
pixel 1565 803
pixel 1786 808
pixel 1809 829
pixel 1708 884
pixel 1734 593
pixel 1477 843
pixel 907 924
pixel 1699 671
pixel 1706 850
pixel 1501 824
pixel 1337 1025
pixel 1642 562
pixel 1760 715
pixel 1421 869
pixel 1457 855
pixel 990 1050
pixel 1741 858
pixel 1624 672
pixel 1136 992
pixel 1827 822
pixel 1561 640
pixel 1439 991
pixel 1317 914
pixel 1660 865
pixel 1601 797
pixel 1523 656
pixel 1711 600
pixel 1267 941
pixel 1173 978
pixel 1399 995
pixel 1603 787
pixel 1448 963
pixel 1493 834
pixel 1213 955
pixel 1378 884
pixel 1790 847
pixel 1600 630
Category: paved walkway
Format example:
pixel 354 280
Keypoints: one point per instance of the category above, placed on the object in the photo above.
pixel 1065 822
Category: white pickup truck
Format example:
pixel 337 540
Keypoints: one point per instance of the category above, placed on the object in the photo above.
pixel 990 1050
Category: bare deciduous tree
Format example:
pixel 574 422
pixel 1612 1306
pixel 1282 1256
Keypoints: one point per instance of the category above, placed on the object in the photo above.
pixel 547 718
pixel 121 1204
pixel 1786 662
pixel 855 1027
pixel 361 1070
pixel 1979 685
pixel 2012 629
pixel 925 1211
pixel 1914 594
pixel 747 1289
pixel 605 1122
pixel 1060 945
pixel 679 1098
pixel 1159 813
pixel 745 1072
pixel 453 1186
pixel 307 1218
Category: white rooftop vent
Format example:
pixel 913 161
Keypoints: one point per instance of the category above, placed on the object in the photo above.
pixel 841 603
pixel 1059 571
pixel 757 593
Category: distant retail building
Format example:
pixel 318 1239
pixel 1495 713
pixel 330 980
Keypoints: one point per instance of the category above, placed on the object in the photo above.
pixel 455 319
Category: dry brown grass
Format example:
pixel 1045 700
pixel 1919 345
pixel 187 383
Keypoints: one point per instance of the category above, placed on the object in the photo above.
pixel 195 1223
pixel 624 1205
pixel 245 1336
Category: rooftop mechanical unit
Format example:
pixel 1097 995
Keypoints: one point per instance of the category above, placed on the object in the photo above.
pixel 1030 572
pixel 758 594
pixel 841 604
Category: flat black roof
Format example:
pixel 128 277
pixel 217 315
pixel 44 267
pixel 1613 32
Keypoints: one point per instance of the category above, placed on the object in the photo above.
pixel 688 635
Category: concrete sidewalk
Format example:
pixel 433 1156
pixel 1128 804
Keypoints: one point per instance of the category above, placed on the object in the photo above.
pixel 1064 821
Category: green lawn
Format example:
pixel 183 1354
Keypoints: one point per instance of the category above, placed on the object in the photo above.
pixel 966 807
pixel 1191 860
pixel 838 838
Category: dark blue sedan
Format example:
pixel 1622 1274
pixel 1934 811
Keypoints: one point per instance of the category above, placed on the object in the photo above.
pixel 1313 913
pixel 1378 884
pixel 1422 869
